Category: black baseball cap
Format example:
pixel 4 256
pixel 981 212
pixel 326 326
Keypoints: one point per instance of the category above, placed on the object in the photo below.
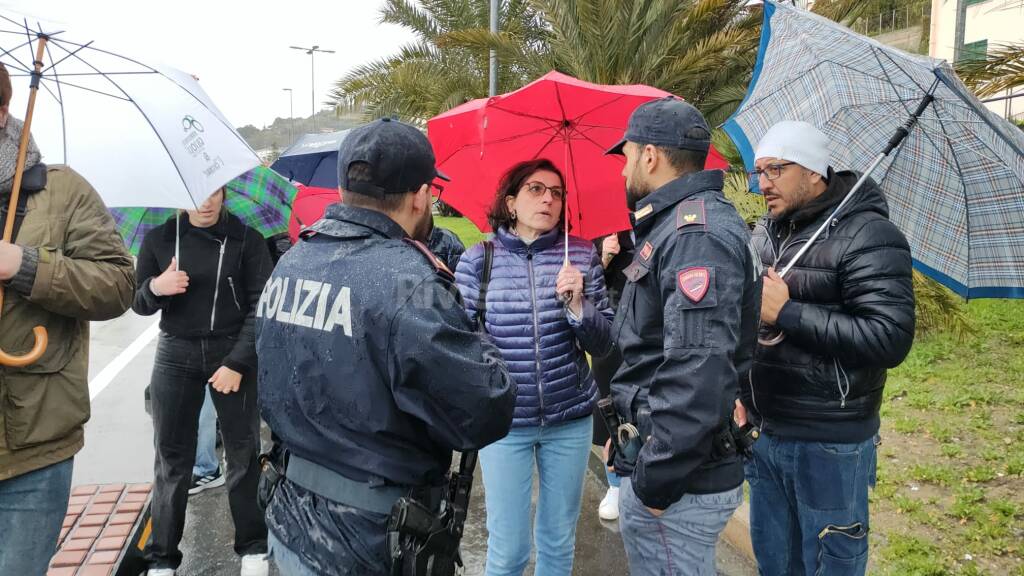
pixel 399 156
pixel 665 122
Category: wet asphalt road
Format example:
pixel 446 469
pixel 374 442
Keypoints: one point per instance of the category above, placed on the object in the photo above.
pixel 119 448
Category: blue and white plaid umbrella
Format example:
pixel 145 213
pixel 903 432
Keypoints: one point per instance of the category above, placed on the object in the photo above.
pixel 955 186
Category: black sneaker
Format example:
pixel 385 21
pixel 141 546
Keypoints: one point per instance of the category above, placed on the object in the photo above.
pixel 200 483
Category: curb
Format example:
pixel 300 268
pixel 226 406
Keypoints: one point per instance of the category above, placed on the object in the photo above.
pixel 737 531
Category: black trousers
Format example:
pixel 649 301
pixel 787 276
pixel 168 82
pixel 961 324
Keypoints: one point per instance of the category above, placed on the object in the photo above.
pixel 178 387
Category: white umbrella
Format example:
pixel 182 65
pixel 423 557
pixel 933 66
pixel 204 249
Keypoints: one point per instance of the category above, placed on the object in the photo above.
pixel 141 134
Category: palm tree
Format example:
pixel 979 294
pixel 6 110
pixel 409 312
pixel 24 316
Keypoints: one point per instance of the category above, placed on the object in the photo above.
pixel 426 77
pixel 1001 69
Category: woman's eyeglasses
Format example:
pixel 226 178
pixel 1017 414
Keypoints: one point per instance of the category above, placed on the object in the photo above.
pixel 537 190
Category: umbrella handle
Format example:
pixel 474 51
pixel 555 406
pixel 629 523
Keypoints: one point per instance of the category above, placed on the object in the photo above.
pixel 41 337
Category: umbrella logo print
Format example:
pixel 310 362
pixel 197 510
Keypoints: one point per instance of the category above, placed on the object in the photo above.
pixel 190 123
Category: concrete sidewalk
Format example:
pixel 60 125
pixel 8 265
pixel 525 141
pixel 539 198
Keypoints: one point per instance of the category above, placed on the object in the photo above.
pixel 599 549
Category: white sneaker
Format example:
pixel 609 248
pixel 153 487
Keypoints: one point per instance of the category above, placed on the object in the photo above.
pixel 609 507
pixel 254 565
pixel 160 572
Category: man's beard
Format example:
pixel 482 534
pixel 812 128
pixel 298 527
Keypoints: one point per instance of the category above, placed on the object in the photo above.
pixel 424 227
pixel 636 189
pixel 635 192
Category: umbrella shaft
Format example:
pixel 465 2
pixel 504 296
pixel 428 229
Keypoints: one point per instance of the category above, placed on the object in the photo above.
pixel 23 143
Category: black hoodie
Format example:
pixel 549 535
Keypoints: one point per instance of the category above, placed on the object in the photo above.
pixel 227 265
pixel 849 318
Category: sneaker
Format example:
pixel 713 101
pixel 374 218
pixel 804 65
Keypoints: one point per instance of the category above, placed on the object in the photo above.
pixel 609 507
pixel 254 565
pixel 160 572
pixel 200 483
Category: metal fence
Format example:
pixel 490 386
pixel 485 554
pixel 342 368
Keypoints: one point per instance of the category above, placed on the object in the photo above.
pixel 898 19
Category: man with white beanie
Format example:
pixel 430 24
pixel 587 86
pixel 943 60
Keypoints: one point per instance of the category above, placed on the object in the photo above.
pixel 847 312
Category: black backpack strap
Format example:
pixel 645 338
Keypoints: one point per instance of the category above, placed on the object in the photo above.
pixel 485 279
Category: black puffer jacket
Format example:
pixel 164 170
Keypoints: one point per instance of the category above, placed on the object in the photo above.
pixel 850 316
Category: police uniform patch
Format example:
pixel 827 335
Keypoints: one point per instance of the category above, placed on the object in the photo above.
pixel 643 212
pixel 691 213
pixel 694 283
pixel 646 252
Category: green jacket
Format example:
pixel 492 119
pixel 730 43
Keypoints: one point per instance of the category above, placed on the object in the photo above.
pixel 83 273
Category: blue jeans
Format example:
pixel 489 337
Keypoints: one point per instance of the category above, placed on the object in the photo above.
pixel 32 508
pixel 679 542
pixel 560 453
pixel 809 506
pixel 206 444
pixel 614 480
pixel 288 563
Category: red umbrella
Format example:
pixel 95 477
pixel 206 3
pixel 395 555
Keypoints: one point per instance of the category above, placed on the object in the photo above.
pixel 567 121
pixel 309 206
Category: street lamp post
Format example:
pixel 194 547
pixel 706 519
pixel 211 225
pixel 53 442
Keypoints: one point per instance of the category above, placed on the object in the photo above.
pixel 312 74
pixel 291 115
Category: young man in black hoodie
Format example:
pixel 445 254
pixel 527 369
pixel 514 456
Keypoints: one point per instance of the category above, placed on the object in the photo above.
pixel 207 302
pixel 847 312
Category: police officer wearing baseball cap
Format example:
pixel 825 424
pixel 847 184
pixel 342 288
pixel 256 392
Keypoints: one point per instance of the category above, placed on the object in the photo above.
pixel 370 372
pixel 686 326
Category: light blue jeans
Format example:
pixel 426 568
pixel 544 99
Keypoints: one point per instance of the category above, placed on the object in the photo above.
pixel 206 443
pixel 559 453
pixel 680 542
pixel 32 508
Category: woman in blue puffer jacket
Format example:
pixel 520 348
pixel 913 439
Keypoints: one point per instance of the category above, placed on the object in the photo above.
pixel 544 343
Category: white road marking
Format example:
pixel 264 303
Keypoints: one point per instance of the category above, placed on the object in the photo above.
pixel 111 370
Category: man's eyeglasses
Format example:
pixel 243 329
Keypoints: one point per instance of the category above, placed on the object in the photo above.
pixel 537 190
pixel 771 171
pixel 438 189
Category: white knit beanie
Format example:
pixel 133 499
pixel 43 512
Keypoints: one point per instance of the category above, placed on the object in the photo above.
pixel 798 142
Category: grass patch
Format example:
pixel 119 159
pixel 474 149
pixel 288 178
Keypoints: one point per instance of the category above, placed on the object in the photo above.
pixel 463 228
pixel 953 433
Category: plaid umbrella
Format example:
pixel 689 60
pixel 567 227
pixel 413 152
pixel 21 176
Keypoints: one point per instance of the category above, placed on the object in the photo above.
pixel 260 197
pixel 955 186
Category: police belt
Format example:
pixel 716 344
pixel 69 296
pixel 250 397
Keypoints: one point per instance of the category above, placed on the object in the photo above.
pixel 333 486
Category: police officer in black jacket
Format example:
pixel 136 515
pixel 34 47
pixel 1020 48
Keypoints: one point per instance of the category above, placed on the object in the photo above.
pixel 370 371
pixel 686 326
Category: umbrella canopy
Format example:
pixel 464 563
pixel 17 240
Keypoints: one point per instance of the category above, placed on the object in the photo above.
pixel 260 197
pixel 312 160
pixel 309 206
pixel 557 117
pixel 143 135
pixel 955 187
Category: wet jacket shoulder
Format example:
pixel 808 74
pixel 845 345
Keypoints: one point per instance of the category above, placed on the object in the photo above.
pixel 544 348
pixel 446 246
pixel 82 273
pixel 368 363
pixel 686 326
pixel 228 265
pixel 850 316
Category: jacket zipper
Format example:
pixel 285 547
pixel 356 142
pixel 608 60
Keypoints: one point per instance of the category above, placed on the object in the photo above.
pixel 216 283
pixel 234 295
pixel 536 335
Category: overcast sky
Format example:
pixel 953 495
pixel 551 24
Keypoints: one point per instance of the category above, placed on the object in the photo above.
pixel 239 50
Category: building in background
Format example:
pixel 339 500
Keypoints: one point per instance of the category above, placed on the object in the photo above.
pixel 989 24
